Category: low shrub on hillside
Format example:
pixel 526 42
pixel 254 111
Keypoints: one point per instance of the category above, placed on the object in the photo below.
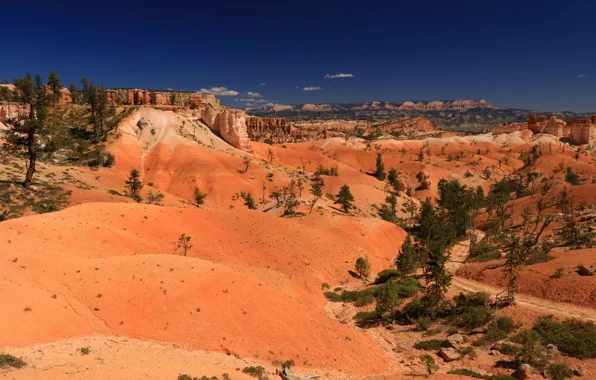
pixel 573 337
pixel 499 329
pixel 471 310
pixel 7 360
pixel 429 345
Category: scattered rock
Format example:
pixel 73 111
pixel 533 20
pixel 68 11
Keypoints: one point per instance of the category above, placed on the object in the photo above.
pixel 424 180
pixel 454 341
pixel 552 350
pixel 449 354
pixel 583 270
pixel 479 330
pixel 525 371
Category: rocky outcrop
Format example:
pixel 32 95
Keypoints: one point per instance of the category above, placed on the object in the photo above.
pixel 412 125
pixel 509 128
pixel 424 180
pixel 12 110
pixel 578 132
pixel 229 124
pixel 135 96
pixel 582 131
pixel 261 124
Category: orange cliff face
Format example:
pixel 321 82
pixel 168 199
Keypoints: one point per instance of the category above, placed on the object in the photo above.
pixel 135 96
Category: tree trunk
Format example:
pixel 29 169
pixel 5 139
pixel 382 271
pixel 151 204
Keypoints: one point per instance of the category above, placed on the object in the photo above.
pixel 30 170
pixel 32 158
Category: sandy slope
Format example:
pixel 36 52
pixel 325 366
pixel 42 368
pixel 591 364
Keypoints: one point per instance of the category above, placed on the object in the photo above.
pixel 255 278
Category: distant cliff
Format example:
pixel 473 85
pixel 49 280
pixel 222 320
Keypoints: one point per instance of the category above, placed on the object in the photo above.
pixel 136 96
pixel 472 115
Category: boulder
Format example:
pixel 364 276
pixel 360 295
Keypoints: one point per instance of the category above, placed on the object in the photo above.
pixel 424 180
pixel 525 371
pixel 454 341
pixel 449 354
pixel 552 350
pixel 402 182
pixel 584 270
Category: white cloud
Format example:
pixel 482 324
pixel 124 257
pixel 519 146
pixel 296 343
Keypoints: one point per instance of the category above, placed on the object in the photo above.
pixel 266 105
pixel 170 89
pixel 311 88
pixel 582 76
pixel 220 91
pixel 254 94
pixel 340 75
pixel 248 100
pixel 263 84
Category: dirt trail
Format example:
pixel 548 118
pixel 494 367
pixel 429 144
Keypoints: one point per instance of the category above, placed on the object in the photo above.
pixel 460 253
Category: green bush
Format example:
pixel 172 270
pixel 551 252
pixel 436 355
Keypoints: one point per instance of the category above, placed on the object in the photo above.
pixel 429 345
pixel 423 324
pixel 471 310
pixel 559 371
pixel 412 311
pixel 476 375
pixel 408 287
pixel 532 351
pixel 367 317
pixel 258 372
pixel 467 372
pixel 333 297
pixel 429 361
pixel 7 360
pixel 499 329
pixel 386 275
pixel 364 301
pixel 573 337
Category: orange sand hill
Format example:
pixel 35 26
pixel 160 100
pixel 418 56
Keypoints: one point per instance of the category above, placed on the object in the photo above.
pixel 251 284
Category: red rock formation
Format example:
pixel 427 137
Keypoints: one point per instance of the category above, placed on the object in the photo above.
pixel 135 96
pixel 12 110
pixel 579 131
pixel 424 180
pixel 413 125
pixel 228 123
pixel 510 128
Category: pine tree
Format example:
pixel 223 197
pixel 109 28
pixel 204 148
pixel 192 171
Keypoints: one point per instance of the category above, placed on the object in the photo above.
pixel 392 177
pixel 134 185
pixel 199 197
pixel 525 244
pixel 362 267
pixel 388 299
pixel 184 244
pixel 407 260
pixel 74 93
pixel 316 189
pixel 380 170
pixel 435 235
pixel 248 200
pixel 55 87
pixel 345 198
pixel 25 134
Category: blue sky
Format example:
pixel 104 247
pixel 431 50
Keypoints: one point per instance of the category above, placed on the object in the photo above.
pixel 526 54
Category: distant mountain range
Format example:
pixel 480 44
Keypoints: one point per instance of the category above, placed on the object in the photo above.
pixel 451 114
